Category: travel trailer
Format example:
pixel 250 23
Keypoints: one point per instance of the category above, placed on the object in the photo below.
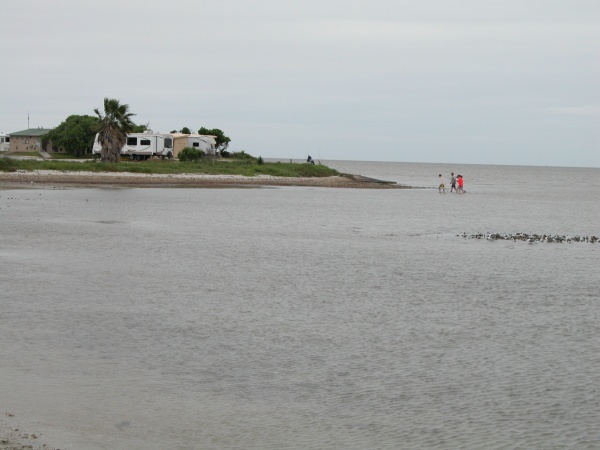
pixel 205 143
pixel 141 146
pixel 4 142
pixel 202 142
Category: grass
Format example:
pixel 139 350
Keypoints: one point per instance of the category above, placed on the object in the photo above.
pixel 229 167
pixel 23 154
pixel 69 156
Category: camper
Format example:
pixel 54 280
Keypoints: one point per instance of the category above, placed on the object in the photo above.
pixel 202 142
pixel 4 142
pixel 141 146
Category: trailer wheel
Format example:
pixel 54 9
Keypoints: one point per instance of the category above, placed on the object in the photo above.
pixel 131 157
pixel 170 155
pixel 139 157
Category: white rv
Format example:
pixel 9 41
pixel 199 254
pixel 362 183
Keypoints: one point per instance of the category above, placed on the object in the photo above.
pixel 4 142
pixel 141 146
pixel 202 142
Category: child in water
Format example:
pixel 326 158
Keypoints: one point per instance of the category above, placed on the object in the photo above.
pixel 460 184
pixel 441 187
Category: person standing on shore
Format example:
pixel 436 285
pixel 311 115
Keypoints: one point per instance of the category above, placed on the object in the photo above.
pixel 460 184
pixel 453 183
pixel 441 187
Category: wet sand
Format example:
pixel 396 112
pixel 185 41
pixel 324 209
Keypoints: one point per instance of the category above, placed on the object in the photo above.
pixel 12 437
pixel 52 178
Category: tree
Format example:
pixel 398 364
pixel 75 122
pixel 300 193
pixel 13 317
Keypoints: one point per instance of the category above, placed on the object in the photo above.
pixel 186 130
pixel 75 135
pixel 140 128
pixel 220 138
pixel 114 126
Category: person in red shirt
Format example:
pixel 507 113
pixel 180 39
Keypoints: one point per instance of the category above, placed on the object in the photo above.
pixel 459 178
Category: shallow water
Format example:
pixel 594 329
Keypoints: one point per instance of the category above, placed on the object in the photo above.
pixel 305 317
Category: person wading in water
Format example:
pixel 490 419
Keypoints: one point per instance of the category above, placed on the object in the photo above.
pixel 453 183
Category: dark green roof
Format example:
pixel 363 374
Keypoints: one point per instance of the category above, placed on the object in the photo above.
pixel 31 132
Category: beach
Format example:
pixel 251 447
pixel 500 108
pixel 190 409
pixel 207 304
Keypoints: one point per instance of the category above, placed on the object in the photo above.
pixel 56 178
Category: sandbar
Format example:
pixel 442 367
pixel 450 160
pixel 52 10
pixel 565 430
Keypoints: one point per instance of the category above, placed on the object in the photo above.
pixel 56 178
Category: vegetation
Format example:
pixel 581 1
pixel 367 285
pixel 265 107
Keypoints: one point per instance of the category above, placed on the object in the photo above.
pixel 242 156
pixel 7 165
pixel 36 154
pixel 67 156
pixel 140 128
pixel 246 167
pixel 75 135
pixel 190 154
pixel 115 123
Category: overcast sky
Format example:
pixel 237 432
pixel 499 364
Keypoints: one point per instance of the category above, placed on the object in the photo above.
pixel 463 81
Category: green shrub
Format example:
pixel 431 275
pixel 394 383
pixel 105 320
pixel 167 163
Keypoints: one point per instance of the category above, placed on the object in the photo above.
pixel 190 154
pixel 260 161
pixel 7 165
pixel 242 156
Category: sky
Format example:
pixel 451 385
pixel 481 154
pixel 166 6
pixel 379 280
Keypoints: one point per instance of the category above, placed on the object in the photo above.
pixel 512 82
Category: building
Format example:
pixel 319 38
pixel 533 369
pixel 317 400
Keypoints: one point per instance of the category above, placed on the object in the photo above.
pixel 27 140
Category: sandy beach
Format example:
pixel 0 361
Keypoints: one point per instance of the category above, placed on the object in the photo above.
pixel 54 178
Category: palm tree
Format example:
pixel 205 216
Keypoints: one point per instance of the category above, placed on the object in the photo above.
pixel 114 126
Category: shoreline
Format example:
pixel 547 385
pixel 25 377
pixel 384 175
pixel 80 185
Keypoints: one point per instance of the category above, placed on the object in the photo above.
pixel 12 437
pixel 54 178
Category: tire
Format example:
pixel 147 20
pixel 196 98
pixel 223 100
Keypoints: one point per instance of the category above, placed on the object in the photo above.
pixel 131 157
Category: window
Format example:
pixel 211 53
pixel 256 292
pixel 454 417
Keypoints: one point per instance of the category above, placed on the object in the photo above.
pixel 144 141
pixel 196 144
pixel 168 143
pixel 131 141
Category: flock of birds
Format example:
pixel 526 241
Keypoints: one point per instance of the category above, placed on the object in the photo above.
pixel 532 238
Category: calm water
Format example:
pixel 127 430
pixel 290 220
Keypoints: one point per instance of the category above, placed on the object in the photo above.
pixel 305 318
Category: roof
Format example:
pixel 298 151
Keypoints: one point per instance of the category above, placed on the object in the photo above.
pixel 31 132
